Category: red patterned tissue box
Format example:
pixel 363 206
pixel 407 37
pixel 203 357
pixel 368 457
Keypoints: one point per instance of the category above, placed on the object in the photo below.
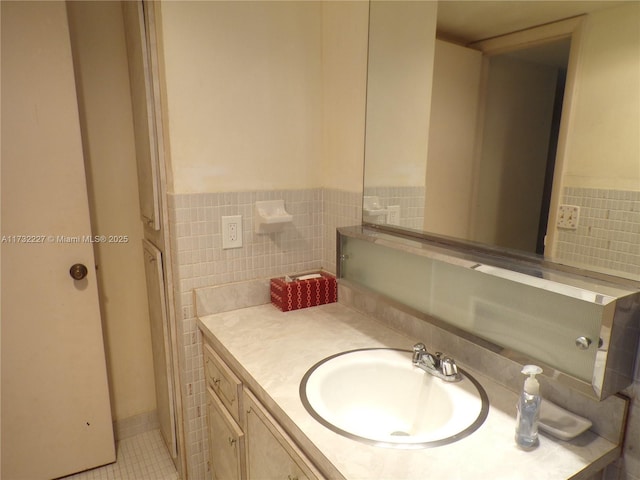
pixel 301 293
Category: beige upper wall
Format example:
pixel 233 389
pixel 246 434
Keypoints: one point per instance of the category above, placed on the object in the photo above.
pixel 265 95
pixel 604 141
pixel 452 135
pixel 344 61
pixel 244 94
pixel 401 54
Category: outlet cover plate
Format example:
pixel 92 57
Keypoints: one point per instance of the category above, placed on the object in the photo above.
pixel 568 216
pixel 393 215
pixel 231 231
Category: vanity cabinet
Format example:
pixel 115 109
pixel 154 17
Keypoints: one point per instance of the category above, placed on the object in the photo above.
pixel 226 438
pixel 245 441
pixel 270 452
pixel 226 441
pixel 224 383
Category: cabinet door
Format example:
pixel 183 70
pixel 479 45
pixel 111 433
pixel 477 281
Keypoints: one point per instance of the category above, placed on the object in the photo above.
pixel 160 345
pixel 271 454
pixel 140 43
pixel 226 441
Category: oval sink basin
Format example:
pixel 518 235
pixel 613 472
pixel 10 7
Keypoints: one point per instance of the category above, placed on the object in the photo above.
pixel 378 396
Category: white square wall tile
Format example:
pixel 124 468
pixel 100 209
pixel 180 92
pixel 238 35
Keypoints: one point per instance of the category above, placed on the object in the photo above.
pixel 200 261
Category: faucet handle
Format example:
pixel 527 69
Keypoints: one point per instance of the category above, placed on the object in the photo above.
pixel 419 349
pixel 449 367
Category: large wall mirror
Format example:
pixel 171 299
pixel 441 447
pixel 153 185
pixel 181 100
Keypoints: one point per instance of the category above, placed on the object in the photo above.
pixel 509 124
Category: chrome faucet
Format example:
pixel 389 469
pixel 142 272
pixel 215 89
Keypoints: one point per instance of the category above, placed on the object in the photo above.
pixel 438 365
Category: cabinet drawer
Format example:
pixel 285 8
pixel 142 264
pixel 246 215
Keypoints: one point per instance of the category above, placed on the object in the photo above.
pixel 226 441
pixel 223 382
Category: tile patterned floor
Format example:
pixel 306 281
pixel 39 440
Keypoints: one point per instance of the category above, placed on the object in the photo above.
pixel 141 457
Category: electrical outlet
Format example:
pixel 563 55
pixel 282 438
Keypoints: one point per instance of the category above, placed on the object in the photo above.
pixel 393 215
pixel 232 232
pixel 568 216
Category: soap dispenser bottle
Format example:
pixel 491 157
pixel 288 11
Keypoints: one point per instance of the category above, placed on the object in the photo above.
pixel 528 409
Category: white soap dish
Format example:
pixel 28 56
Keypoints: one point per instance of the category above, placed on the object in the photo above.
pixel 270 216
pixel 561 423
pixel 371 207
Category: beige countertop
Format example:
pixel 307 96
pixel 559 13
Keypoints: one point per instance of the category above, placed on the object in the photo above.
pixel 271 351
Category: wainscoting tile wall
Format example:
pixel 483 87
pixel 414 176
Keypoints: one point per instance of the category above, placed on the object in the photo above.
pixel 410 200
pixel 608 233
pixel 608 237
pixel 309 243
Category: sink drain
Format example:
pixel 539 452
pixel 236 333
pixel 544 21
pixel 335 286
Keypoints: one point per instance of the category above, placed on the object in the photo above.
pixel 399 433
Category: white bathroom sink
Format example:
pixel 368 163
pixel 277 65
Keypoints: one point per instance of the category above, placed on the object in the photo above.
pixel 378 396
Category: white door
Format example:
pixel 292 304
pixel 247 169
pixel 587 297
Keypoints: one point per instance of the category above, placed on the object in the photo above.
pixel 56 416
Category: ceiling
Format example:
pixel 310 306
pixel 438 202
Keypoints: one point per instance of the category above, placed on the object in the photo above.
pixel 472 20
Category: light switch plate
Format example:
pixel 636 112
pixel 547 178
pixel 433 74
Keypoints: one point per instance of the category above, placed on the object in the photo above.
pixel 568 216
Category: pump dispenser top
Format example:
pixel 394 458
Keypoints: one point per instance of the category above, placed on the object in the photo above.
pixel 528 409
pixel 531 385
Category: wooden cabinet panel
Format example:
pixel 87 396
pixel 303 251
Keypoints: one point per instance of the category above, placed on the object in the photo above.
pixel 252 446
pixel 160 345
pixel 226 441
pixel 223 382
pixel 144 105
pixel 270 453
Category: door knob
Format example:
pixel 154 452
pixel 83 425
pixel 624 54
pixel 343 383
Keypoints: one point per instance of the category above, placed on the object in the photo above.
pixel 78 271
pixel 583 343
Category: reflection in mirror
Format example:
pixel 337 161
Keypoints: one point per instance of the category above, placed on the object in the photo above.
pixel 506 200
pixel 527 142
